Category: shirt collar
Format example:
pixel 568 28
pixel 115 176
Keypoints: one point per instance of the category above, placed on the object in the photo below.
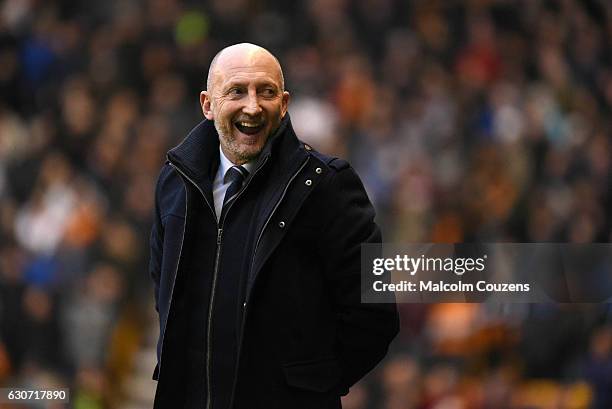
pixel 226 164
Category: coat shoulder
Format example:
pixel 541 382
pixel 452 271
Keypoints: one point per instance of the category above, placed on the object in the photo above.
pixel 340 176
pixel 333 163
pixel 167 177
pixel 170 192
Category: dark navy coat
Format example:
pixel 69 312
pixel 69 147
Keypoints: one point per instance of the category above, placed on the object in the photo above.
pixel 304 336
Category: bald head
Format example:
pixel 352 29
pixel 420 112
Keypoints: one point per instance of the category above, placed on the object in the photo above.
pixel 245 98
pixel 241 51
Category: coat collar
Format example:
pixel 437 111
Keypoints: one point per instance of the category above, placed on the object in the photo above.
pixel 198 154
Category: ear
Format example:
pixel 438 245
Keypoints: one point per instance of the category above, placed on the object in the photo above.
pixel 206 105
pixel 285 103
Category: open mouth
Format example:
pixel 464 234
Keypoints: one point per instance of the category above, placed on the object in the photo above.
pixel 248 127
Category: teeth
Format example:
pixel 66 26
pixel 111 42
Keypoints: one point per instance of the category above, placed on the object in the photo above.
pixel 248 125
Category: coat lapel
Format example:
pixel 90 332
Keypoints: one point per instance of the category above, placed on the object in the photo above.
pixel 283 207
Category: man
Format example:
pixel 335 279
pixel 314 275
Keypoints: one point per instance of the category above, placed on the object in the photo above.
pixel 255 255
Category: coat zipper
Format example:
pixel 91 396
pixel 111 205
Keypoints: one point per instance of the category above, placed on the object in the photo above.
pixel 210 315
pixel 244 312
pixel 215 271
pixel 214 282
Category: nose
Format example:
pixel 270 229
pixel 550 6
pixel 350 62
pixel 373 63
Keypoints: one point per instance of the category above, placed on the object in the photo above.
pixel 252 106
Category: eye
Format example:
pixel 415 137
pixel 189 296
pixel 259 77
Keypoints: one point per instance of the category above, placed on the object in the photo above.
pixel 268 92
pixel 235 92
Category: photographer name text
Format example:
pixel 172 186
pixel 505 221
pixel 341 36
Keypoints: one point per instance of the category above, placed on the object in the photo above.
pixel 456 265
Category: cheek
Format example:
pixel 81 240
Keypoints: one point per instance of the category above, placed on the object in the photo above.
pixel 223 111
pixel 276 109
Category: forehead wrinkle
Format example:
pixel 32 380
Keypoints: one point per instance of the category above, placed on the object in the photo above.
pixel 249 74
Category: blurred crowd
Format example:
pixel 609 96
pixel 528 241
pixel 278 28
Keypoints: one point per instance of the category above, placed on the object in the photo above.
pixel 475 120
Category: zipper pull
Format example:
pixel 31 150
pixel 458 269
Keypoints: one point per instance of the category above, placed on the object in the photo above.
pixel 219 233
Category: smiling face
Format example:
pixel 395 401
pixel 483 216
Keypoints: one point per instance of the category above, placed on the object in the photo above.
pixel 245 99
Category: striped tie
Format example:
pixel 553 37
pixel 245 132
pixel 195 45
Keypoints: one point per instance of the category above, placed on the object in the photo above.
pixel 236 176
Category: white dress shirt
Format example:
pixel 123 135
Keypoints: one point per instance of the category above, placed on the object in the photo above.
pixel 220 185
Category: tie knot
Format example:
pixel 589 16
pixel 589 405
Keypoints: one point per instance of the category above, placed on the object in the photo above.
pixel 236 174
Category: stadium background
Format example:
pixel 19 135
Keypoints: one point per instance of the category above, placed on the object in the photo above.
pixel 477 120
